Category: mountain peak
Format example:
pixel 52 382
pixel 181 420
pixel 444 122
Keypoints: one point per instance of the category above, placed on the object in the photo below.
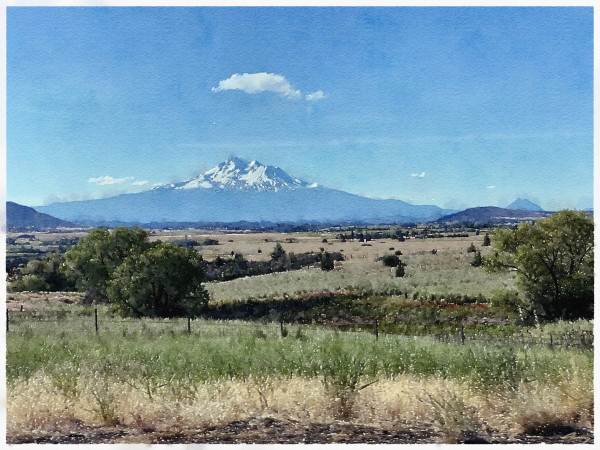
pixel 238 174
pixel 524 204
pixel 238 162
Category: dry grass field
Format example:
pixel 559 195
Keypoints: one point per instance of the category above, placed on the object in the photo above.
pixel 40 301
pixel 448 271
pixel 47 236
pixel 400 409
pixel 248 244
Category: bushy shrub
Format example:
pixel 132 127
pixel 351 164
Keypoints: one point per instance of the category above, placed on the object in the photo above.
pixel 400 270
pixel 477 259
pixel 278 253
pixel 391 260
pixel 327 262
pixel 486 240
pixel 43 275
pixel 28 283
pixel 505 299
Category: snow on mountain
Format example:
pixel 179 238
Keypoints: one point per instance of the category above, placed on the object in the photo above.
pixel 238 190
pixel 238 174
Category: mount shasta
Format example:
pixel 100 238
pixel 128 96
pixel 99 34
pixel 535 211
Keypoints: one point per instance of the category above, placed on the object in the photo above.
pixel 237 190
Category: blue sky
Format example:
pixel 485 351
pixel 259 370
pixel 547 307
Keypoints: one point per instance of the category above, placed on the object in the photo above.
pixel 456 107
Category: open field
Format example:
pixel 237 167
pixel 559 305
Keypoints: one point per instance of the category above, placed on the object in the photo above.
pixel 248 244
pixel 149 381
pixel 446 272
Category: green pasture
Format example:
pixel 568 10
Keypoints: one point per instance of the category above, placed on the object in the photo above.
pixel 160 351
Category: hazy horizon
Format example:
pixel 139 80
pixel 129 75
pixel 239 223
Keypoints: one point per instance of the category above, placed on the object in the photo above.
pixel 107 180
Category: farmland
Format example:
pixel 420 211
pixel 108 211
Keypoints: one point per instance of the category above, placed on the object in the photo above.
pixel 292 356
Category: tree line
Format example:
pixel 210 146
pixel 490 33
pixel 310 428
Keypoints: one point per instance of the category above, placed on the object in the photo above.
pixel 148 279
pixel 224 269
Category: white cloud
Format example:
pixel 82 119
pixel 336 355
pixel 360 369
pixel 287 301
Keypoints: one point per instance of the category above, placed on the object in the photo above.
pixel 140 183
pixel 418 175
pixel 254 83
pixel 491 187
pixel 315 96
pixel 105 180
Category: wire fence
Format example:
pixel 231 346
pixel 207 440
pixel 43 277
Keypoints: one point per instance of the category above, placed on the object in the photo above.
pixel 573 339
pixel 579 339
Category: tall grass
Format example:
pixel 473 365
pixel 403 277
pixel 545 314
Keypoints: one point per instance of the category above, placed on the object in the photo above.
pixel 163 350
pixel 447 272
pixel 140 372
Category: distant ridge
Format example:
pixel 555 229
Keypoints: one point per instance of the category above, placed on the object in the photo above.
pixel 524 204
pixel 21 218
pixel 492 215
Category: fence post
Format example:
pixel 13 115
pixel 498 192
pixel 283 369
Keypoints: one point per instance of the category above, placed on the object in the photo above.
pixel 281 326
pixel 21 308
pixel 7 320
pixel 376 329
pixel 462 334
pixel 189 325
pixel 96 319
pixel 551 346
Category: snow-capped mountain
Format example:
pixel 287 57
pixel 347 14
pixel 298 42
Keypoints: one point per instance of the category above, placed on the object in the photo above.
pixel 238 174
pixel 238 190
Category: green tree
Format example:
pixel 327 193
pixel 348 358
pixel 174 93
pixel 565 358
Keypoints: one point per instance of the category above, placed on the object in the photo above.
pixel 400 272
pixel 43 275
pixel 162 281
pixel 486 240
pixel 554 261
pixel 477 259
pixel 327 262
pixel 91 263
pixel 278 252
pixel 28 282
pixel 391 260
pixel 279 259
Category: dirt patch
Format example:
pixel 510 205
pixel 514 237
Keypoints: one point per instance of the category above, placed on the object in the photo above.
pixel 273 431
pixel 38 301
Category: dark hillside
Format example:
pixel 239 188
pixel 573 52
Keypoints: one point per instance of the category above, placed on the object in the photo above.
pixel 492 215
pixel 21 218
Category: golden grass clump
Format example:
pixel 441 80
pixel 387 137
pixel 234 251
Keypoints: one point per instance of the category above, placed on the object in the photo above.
pixel 450 407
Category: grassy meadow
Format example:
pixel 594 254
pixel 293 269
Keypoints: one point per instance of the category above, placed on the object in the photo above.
pixel 152 376
pixel 443 273
pixel 142 373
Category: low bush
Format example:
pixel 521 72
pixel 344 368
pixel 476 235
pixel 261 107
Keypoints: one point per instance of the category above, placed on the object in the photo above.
pixel 390 260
